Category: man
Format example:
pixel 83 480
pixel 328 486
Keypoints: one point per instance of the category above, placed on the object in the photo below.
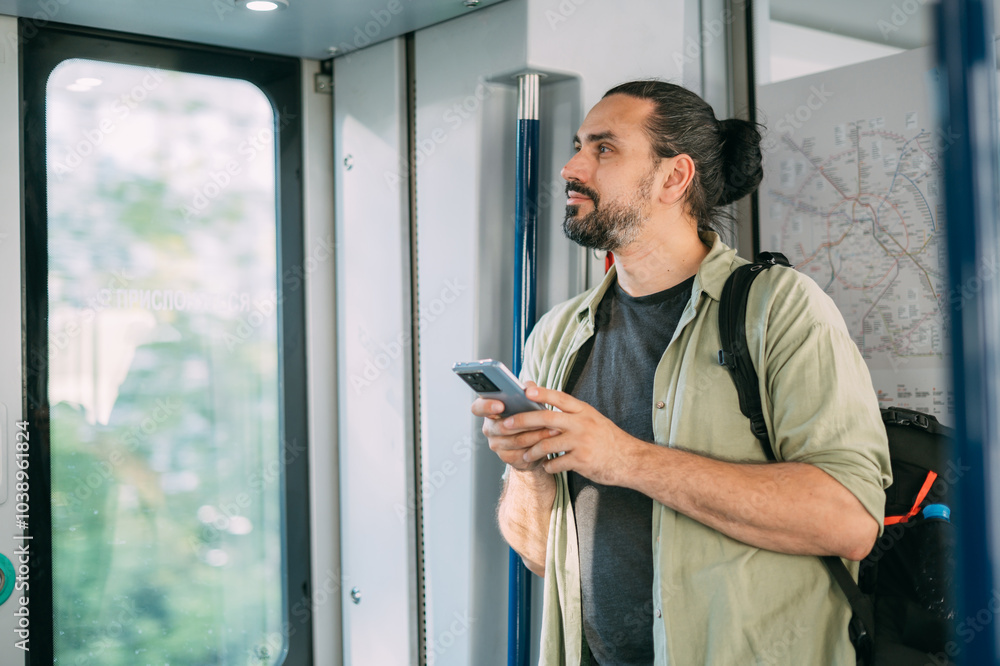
pixel 661 537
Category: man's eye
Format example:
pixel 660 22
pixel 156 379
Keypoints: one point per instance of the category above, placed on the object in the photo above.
pixel 603 149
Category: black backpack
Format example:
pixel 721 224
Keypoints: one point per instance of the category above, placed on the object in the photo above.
pixel 903 610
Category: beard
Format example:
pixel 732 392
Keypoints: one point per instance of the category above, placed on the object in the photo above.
pixel 612 225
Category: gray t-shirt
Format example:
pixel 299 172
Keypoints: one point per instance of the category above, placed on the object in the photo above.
pixel 614 372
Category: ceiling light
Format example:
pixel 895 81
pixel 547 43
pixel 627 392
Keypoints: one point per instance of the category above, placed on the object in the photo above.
pixel 265 5
pixel 83 84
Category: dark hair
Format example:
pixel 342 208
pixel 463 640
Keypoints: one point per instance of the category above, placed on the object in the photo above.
pixel 726 154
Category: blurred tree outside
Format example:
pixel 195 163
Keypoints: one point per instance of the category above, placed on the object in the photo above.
pixel 166 477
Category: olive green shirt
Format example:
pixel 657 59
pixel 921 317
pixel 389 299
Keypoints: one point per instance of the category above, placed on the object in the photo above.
pixel 717 600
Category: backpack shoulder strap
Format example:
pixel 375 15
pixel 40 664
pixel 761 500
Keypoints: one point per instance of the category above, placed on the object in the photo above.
pixel 735 352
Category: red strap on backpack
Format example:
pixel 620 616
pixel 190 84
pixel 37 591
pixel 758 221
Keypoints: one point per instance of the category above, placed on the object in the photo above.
pixel 924 489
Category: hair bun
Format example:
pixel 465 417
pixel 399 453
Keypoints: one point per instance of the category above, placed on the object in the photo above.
pixel 741 160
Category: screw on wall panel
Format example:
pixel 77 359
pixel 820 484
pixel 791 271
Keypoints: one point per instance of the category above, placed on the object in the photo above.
pixel 323 83
pixel 356 595
pixel 471 3
pixel 349 162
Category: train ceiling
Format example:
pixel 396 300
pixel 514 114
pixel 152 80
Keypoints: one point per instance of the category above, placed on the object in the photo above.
pixel 305 28
pixel 311 28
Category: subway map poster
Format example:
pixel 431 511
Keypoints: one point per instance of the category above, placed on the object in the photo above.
pixel 852 194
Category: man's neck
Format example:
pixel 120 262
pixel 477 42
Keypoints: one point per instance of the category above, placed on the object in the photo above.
pixel 659 261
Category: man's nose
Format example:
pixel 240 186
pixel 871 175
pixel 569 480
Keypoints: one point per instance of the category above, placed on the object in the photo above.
pixel 575 170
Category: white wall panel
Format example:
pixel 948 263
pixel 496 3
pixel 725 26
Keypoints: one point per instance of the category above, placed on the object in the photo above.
pixel 374 380
pixel 465 206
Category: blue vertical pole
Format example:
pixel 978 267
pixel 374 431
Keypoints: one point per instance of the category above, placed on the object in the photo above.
pixel 525 231
pixel 968 97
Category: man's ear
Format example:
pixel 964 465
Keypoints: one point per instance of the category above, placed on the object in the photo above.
pixel 680 173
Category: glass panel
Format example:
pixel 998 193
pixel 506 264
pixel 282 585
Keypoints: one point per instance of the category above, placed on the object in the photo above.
pixel 163 378
pixel 852 189
pixel 796 38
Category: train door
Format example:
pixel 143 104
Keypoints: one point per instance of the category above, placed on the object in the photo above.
pixel 165 359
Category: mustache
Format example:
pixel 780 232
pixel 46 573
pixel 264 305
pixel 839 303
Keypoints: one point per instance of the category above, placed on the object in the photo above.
pixel 582 189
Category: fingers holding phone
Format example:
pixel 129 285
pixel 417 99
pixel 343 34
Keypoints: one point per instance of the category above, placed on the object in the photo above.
pixel 492 381
pixel 502 395
pixel 511 445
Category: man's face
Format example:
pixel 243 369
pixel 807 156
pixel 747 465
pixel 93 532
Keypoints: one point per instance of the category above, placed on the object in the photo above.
pixel 610 180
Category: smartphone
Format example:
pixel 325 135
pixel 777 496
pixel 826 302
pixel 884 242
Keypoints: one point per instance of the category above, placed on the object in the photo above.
pixel 493 381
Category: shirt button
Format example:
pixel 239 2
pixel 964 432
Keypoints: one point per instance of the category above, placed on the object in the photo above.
pixel 661 405
pixel 659 613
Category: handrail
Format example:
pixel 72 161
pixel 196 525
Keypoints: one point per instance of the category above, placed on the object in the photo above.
pixel 526 234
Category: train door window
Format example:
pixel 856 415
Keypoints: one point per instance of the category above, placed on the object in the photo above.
pixel 168 442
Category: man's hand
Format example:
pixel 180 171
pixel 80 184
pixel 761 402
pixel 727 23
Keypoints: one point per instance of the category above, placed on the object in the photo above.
pixel 528 494
pixel 592 444
pixel 510 443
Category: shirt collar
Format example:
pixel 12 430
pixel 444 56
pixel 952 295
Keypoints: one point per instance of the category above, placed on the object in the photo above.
pixel 710 279
pixel 716 267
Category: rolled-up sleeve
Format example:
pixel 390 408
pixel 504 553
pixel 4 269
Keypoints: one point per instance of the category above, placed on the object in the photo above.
pixel 818 394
